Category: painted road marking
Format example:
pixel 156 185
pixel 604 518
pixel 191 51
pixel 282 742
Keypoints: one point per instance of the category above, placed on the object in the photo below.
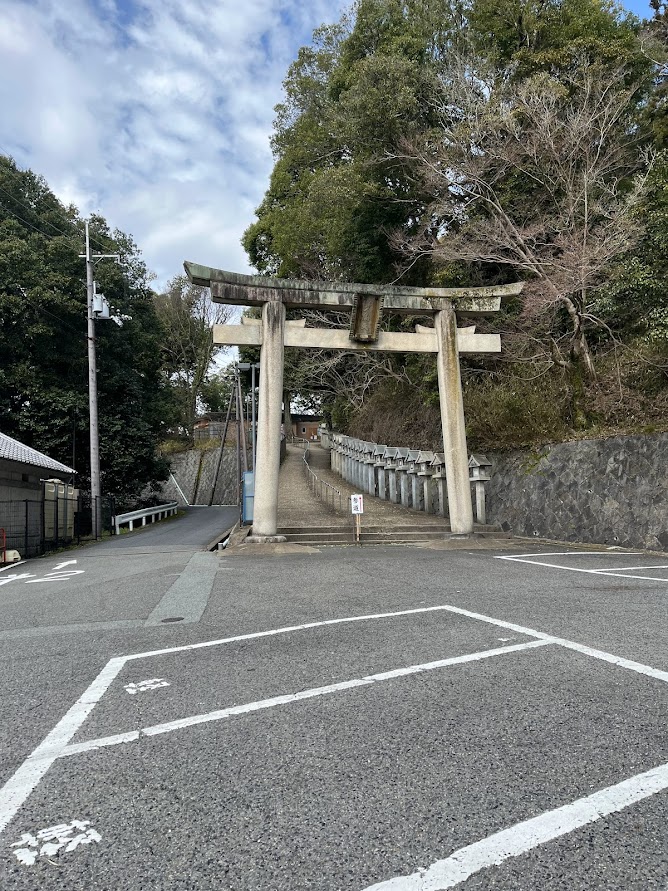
pixel 529 834
pixel 143 686
pixel 629 664
pixel 19 786
pixel 64 564
pixel 286 629
pixel 11 565
pixel 605 553
pixel 15 577
pixel 57 576
pixel 618 572
pixel 221 714
pixel 47 842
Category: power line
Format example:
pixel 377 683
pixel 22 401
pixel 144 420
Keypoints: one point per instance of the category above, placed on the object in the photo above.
pixel 54 316
pixel 32 226
pixel 73 238
pixel 53 225
pixel 23 203
pixel 43 309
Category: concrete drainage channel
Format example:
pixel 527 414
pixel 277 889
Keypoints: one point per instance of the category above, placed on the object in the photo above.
pixel 220 542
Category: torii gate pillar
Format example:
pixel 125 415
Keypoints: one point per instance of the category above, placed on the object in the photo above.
pixel 460 510
pixel 268 449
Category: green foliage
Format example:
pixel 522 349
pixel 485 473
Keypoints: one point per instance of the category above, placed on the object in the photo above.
pixel 187 316
pixel 636 301
pixel 346 198
pixel 340 184
pixel 215 392
pixel 526 36
pixel 511 412
pixel 43 352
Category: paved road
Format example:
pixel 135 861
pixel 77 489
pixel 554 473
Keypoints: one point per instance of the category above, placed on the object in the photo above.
pixel 396 719
pixel 197 528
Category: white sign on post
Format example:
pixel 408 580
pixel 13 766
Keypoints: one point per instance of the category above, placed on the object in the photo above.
pixel 357 504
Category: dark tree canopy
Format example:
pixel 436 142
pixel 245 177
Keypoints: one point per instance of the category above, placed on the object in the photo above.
pixel 348 193
pixel 43 352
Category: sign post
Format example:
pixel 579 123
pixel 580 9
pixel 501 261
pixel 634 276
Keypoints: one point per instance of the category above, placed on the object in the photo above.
pixel 357 509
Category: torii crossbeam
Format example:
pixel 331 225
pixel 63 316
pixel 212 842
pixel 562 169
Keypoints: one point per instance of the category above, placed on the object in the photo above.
pixel 366 304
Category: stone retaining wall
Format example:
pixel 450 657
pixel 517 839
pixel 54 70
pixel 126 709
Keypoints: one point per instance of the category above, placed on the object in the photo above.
pixel 194 471
pixel 613 491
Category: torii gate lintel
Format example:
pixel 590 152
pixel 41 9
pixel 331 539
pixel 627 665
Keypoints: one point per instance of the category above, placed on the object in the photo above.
pixel 366 304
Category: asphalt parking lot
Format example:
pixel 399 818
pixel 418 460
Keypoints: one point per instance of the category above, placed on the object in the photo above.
pixel 395 718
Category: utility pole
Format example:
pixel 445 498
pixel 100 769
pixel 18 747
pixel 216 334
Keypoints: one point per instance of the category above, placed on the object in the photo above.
pixel 95 489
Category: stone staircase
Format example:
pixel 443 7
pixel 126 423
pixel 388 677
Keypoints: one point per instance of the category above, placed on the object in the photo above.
pixel 304 519
pixel 373 534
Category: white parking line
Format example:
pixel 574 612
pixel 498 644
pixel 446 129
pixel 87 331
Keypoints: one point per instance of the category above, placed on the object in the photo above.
pixel 612 571
pixel 566 554
pixel 629 568
pixel 285 630
pixel 221 714
pixel 529 834
pixel 20 785
pixel 620 661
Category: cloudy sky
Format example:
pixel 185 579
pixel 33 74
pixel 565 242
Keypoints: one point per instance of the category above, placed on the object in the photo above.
pixel 156 113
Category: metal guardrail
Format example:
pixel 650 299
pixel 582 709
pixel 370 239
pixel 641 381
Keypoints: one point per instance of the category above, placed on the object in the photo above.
pixel 322 490
pixel 160 510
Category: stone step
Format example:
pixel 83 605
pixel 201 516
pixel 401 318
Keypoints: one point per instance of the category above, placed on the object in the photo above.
pixel 375 527
pixel 339 536
pixel 387 529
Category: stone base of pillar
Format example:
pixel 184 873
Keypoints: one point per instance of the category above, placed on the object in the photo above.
pixel 266 539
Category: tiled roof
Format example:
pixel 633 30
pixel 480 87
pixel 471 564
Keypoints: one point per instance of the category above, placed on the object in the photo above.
pixel 13 450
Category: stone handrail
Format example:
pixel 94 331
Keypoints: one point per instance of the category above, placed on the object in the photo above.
pixel 412 478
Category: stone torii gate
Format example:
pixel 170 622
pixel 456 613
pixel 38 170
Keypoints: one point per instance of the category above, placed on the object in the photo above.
pixel 366 304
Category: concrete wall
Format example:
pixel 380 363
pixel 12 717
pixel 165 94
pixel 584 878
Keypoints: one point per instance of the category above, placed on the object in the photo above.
pixel 20 481
pixel 610 491
pixel 22 513
pixel 194 471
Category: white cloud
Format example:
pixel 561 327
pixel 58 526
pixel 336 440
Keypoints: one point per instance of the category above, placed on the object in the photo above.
pixel 156 113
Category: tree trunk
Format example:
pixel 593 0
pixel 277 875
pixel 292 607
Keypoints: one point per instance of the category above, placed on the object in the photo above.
pixel 581 368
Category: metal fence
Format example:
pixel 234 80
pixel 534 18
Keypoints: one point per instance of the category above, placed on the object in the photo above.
pixel 36 526
pixel 329 495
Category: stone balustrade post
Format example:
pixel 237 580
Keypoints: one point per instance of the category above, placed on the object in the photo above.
pixel 379 468
pixel 391 473
pixel 438 465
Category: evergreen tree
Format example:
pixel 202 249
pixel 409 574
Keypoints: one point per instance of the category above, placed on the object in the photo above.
pixel 43 346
